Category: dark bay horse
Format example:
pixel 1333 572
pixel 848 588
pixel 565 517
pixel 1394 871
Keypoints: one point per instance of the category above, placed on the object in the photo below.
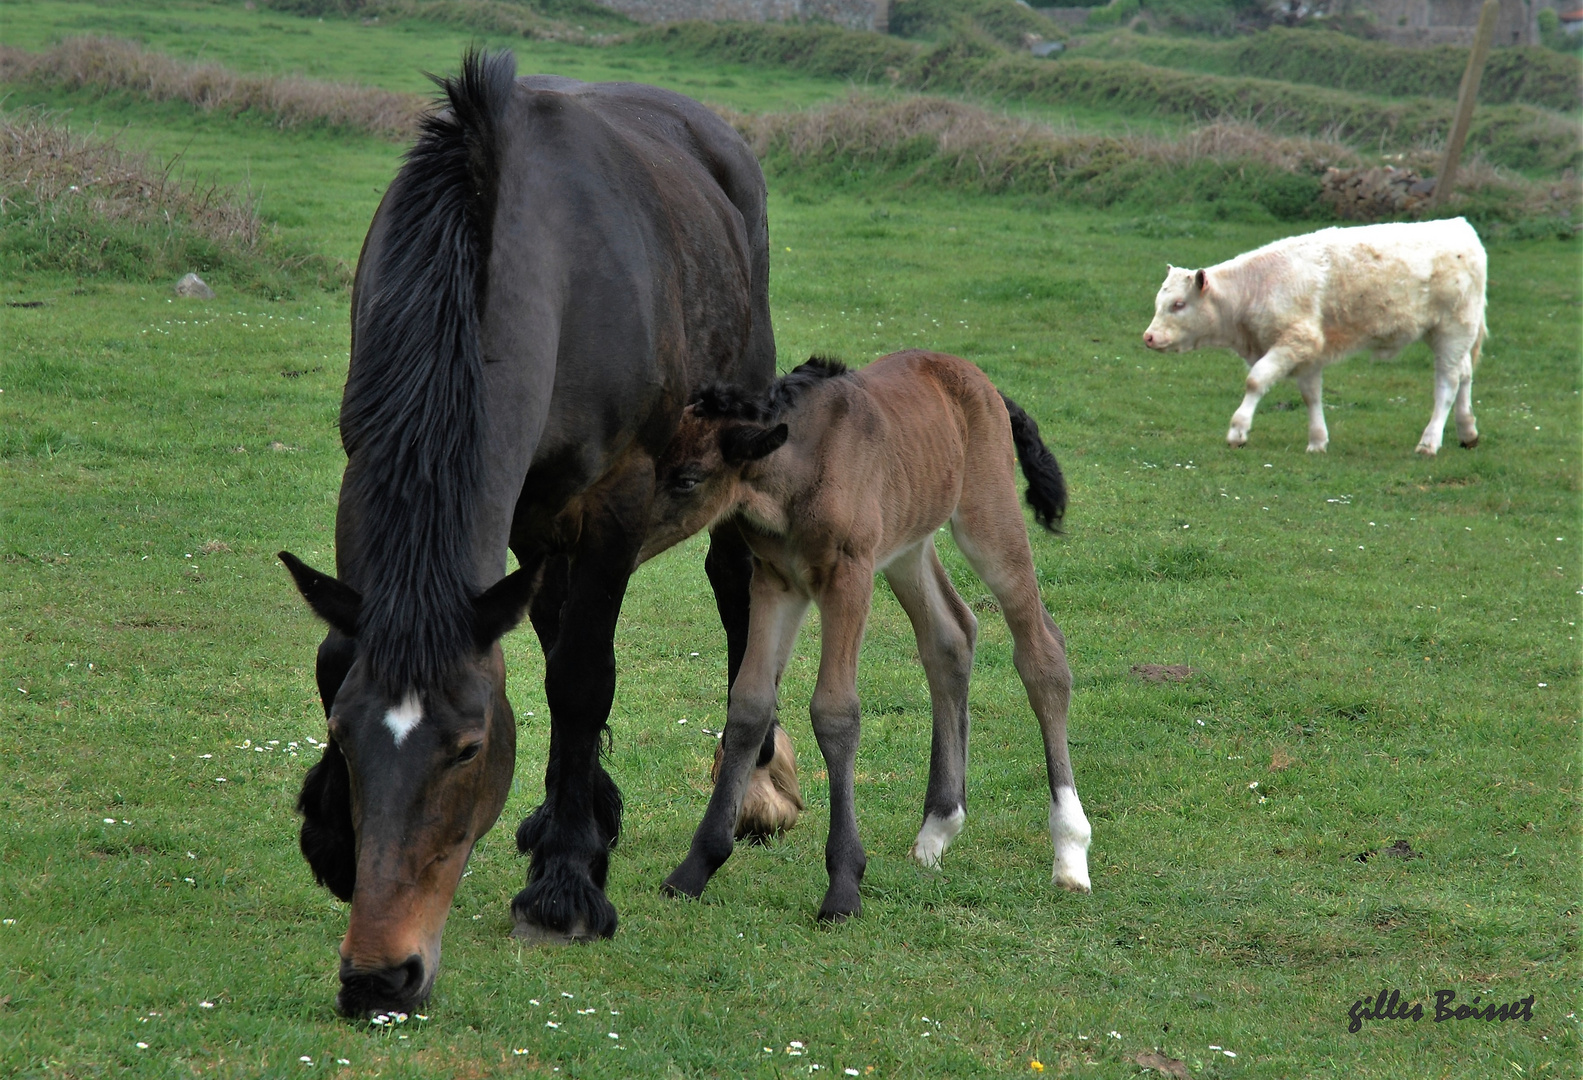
pixel 837 475
pixel 556 270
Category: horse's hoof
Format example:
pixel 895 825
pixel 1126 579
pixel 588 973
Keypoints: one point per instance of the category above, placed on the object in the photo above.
pixel 531 933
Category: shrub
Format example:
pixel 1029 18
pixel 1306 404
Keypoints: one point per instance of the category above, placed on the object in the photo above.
pixel 1006 21
pixel 80 205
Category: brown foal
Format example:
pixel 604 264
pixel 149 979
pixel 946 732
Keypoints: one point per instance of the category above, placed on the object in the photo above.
pixel 832 477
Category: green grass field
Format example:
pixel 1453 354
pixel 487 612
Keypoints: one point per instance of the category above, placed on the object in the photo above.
pixel 1385 646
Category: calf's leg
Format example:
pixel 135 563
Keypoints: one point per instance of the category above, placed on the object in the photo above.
pixel 1453 351
pixel 1311 385
pixel 1271 368
pixel 946 631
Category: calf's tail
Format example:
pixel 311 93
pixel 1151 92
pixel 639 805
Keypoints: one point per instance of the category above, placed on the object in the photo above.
pixel 1046 485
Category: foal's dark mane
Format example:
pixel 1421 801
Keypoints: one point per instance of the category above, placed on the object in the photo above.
pixel 725 402
pixel 410 418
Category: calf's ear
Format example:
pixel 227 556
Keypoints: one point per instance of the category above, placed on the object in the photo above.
pixel 328 841
pixel 334 601
pixel 1201 280
pixel 500 607
pixel 742 443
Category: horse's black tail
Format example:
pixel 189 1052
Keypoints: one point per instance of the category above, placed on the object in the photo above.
pixel 1046 485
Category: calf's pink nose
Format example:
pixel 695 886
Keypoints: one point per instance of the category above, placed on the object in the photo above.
pixel 1148 337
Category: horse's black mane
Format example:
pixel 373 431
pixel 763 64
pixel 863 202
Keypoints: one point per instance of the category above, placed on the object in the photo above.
pixel 725 402
pixel 410 417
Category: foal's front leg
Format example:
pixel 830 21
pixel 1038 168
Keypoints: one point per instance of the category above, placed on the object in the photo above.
pixel 843 613
pixel 776 614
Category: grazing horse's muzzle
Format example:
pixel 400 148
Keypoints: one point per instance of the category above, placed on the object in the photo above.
pixel 395 989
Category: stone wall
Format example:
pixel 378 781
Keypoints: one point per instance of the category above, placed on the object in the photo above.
pixel 1452 22
pixel 855 14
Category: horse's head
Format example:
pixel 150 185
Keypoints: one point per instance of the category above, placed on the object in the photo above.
pixel 408 783
pixel 697 478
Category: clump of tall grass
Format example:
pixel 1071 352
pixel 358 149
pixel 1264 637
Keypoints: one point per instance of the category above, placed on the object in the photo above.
pixel 1520 73
pixel 108 65
pixel 79 204
pixel 1226 168
pixel 1517 136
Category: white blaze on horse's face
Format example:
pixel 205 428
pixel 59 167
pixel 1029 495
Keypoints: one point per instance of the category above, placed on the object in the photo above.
pixel 1181 317
pixel 402 718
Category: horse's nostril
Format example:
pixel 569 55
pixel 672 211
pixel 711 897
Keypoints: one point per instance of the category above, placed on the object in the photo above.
pixel 366 992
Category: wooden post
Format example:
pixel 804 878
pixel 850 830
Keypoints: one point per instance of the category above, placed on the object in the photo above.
pixel 1465 99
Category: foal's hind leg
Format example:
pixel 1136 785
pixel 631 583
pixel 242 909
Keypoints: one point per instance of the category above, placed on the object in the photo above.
pixel 945 630
pixel 990 530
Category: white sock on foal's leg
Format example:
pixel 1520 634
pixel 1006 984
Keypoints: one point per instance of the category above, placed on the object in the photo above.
pixel 1070 833
pixel 936 835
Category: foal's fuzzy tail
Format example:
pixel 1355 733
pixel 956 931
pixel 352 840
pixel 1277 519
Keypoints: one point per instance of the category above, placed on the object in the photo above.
pixel 1046 485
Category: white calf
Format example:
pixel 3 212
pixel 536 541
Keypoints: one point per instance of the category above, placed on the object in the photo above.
pixel 1296 305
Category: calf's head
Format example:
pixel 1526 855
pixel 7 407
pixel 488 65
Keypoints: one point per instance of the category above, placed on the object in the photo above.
pixel 698 477
pixel 408 783
pixel 1182 313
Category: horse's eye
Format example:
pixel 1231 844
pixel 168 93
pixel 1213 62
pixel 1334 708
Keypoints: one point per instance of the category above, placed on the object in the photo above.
pixel 468 753
pixel 684 482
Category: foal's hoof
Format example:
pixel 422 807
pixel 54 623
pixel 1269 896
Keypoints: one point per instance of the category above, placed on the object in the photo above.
pixel 531 933
pixel 683 884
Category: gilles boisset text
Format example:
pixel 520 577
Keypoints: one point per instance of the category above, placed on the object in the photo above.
pixel 1388 1006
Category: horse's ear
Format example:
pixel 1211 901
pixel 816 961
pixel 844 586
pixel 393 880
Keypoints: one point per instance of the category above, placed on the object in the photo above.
pixel 335 602
pixel 500 607
pixel 742 443
pixel 328 841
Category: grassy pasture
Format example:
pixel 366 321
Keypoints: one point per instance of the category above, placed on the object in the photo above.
pixel 1371 632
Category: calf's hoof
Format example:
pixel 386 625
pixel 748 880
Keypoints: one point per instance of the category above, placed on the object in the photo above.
pixel 1426 450
pixel 1236 442
pixel 1318 448
pixel 1468 444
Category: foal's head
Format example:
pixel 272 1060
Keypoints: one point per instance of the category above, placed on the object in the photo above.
pixel 410 779
pixel 698 479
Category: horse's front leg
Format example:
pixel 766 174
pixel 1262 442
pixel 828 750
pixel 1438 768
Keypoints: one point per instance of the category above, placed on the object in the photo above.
pixel 570 835
pixel 777 612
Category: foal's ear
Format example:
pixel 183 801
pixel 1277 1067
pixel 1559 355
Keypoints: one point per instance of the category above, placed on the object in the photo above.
pixel 500 607
pixel 742 443
pixel 335 602
pixel 328 840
